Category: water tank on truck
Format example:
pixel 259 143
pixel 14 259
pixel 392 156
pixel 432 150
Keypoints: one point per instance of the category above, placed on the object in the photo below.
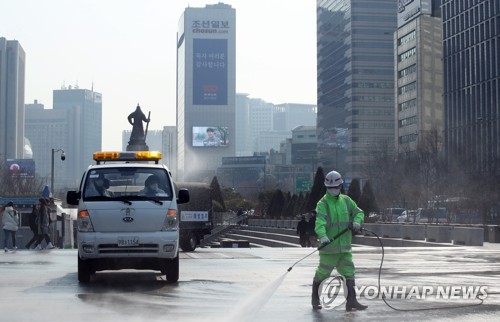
pixel 196 216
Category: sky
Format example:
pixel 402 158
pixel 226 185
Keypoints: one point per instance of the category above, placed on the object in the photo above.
pixel 126 50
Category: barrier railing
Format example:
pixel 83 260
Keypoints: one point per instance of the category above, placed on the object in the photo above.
pixel 469 235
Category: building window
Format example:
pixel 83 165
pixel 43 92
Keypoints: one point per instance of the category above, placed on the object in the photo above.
pixel 408 121
pixel 407 71
pixel 407 88
pixel 407 138
pixel 408 104
pixel 373 111
pixel 406 38
pixel 407 54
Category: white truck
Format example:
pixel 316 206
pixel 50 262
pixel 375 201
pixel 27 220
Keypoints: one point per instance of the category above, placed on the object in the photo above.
pixel 127 215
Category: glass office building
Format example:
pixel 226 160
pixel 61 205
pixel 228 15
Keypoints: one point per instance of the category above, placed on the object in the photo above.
pixel 12 79
pixel 471 47
pixel 355 81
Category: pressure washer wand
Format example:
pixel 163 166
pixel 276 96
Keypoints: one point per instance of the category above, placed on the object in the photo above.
pixel 319 248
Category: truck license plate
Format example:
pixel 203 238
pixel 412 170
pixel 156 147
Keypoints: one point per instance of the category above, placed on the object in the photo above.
pixel 128 241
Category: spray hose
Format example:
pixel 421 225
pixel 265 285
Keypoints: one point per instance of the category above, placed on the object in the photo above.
pixel 319 248
pixel 380 274
pixel 418 309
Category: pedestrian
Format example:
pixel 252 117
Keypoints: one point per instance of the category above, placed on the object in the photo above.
pixel 10 222
pixel 33 222
pixel 43 225
pixel 302 231
pixel 311 226
pixel 335 212
pixel 52 220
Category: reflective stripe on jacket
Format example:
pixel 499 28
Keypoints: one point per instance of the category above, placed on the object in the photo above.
pixel 333 216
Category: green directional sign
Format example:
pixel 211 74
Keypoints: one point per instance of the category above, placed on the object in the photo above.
pixel 303 184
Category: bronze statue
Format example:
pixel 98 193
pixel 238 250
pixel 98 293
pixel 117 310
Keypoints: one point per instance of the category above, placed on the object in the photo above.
pixel 138 136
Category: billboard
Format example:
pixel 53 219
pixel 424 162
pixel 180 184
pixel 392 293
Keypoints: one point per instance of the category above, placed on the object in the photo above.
pixel 210 72
pixel 21 167
pixel 210 136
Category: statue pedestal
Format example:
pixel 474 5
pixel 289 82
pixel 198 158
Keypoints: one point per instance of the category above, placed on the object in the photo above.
pixel 137 147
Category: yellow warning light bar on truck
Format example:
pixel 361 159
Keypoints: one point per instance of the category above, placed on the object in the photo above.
pixel 103 156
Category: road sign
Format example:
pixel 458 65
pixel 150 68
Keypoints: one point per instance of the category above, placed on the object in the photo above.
pixel 303 184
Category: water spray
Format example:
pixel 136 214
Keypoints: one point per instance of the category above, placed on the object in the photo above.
pixel 248 309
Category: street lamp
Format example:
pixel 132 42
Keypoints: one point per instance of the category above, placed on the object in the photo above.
pixel 63 157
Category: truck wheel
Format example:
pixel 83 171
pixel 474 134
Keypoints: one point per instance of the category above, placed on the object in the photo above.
pixel 189 242
pixel 84 271
pixel 172 269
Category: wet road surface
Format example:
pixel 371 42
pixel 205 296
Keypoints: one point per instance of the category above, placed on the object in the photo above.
pixel 230 285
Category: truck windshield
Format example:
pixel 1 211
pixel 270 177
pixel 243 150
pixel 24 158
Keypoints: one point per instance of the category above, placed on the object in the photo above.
pixel 135 183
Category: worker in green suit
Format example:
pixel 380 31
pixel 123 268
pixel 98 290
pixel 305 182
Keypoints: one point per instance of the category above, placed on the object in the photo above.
pixel 335 212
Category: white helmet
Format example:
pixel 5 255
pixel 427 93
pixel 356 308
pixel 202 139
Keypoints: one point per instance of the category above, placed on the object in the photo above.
pixel 333 179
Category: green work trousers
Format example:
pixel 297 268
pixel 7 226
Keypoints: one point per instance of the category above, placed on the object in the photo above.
pixel 341 261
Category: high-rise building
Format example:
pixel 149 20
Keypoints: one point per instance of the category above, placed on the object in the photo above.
pixel 262 125
pixel 153 139
pixel 471 71
pixel 288 116
pixel 261 121
pixel 84 112
pixel 164 141
pixel 169 148
pixel 206 90
pixel 267 140
pixel 12 72
pixel 355 80
pixel 304 146
pixel 49 129
pixel 242 118
pixel 419 76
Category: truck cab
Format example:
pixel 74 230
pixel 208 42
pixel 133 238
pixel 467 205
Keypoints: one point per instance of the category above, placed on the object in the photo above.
pixel 127 215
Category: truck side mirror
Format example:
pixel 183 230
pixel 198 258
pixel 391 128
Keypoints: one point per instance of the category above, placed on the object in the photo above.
pixel 72 197
pixel 183 196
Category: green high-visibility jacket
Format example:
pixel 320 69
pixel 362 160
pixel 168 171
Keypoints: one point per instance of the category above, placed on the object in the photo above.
pixel 333 215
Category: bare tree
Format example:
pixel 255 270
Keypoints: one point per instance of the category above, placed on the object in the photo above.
pixel 431 166
pixel 385 173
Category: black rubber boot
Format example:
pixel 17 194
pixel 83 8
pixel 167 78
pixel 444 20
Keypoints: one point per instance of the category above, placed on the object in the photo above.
pixel 352 302
pixel 315 295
